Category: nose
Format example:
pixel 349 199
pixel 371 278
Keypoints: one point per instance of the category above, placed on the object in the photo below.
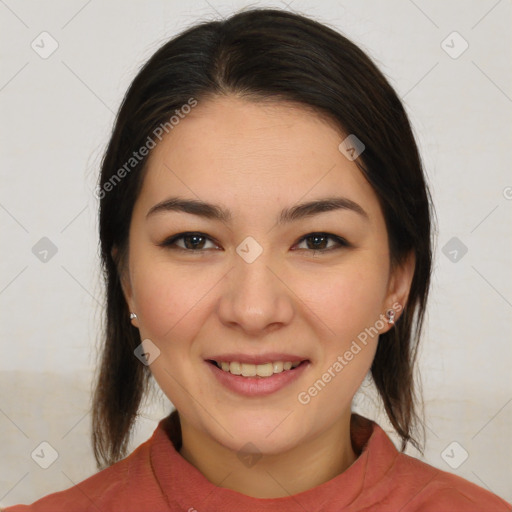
pixel 256 298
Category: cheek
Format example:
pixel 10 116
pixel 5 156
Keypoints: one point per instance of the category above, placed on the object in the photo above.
pixel 159 308
pixel 166 311
pixel 163 296
pixel 347 306
pixel 172 300
pixel 348 299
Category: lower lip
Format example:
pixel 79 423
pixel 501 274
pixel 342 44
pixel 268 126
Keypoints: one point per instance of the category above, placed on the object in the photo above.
pixel 257 386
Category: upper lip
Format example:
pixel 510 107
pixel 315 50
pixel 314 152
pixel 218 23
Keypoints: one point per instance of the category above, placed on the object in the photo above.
pixel 257 358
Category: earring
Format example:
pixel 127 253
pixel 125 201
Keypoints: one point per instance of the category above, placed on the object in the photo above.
pixel 132 316
pixel 390 314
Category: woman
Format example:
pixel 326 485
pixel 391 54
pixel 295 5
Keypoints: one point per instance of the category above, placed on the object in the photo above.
pixel 265 230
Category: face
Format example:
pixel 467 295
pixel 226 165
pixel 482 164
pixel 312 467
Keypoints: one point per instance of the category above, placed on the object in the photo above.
pixel 264 283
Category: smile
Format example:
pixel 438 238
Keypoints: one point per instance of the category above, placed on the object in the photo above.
pixel 256 370
pixel 256 380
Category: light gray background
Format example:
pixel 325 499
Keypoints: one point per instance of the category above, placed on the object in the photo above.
pixel 56 116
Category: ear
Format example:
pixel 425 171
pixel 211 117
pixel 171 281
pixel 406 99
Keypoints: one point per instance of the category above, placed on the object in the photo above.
pixel 399 286
pixel 124 279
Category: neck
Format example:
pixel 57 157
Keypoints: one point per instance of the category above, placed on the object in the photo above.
pixel 308 465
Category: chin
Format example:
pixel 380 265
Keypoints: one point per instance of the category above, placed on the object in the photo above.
pixel 266 433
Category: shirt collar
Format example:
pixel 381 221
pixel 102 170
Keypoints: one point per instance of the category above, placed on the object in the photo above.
pixel 184 486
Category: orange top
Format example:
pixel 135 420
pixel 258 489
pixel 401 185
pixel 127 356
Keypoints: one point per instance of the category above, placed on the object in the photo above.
pixel 156 478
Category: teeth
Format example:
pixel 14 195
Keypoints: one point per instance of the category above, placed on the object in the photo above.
pixel 235 369
pixel 278 367
pixel 259 370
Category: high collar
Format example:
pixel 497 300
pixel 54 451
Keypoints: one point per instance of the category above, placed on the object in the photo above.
pixel 185 487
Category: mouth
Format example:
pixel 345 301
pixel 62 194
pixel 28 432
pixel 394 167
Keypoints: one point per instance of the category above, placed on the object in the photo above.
pixel 256 379
pixel 252 370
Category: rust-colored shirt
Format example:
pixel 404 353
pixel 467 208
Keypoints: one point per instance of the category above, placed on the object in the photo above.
pixel 156 478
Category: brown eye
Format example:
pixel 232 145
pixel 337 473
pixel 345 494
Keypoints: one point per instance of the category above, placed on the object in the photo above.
pixel 319 242
pixel 192 242
pixel 195 242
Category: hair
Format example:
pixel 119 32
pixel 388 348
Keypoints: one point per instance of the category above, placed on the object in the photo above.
pixel 259 55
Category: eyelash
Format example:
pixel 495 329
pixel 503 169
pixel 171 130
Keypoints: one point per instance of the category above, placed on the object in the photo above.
pixel 169 243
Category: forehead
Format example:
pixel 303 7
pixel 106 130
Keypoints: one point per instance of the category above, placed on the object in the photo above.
pixel 250 155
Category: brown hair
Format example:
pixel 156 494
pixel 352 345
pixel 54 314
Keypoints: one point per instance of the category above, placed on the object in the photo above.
pixel 264 54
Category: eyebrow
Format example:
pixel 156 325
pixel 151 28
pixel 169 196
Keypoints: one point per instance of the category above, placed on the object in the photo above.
pixel 288 215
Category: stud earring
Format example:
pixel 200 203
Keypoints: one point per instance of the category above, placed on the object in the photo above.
pixel 390 314
pixel 132 316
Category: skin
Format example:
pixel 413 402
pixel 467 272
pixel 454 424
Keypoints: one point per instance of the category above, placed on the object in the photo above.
pixel 256 159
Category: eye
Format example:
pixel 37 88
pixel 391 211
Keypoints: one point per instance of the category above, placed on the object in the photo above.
pixel 193 242
pixel 317 242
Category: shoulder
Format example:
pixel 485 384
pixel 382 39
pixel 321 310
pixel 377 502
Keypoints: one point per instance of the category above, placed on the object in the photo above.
pixel 113 488
pixel 432 489
pixel 396 481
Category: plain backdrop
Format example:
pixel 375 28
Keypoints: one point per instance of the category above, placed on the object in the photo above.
pixel 57 112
